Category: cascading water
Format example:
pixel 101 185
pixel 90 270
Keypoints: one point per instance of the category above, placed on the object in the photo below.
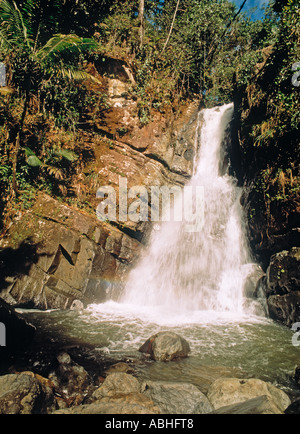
pixel 193 283
pixel 205 270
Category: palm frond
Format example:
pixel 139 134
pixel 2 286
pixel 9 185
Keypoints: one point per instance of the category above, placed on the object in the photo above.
pixel 60 44
pixel 57 172
pixel 15 27
pixel 76 74
pixel 66 154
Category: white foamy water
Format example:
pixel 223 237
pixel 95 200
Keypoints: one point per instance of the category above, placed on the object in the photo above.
pixel 186 273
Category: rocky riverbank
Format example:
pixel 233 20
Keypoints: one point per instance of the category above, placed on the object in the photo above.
pixel 68 387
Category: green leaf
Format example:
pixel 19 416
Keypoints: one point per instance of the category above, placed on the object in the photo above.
pixel 29 152
pixel 34 161
pixel 67 154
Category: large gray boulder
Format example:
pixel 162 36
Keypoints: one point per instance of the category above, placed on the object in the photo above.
pixel 166 346
pixel 177 398
pixel 229 391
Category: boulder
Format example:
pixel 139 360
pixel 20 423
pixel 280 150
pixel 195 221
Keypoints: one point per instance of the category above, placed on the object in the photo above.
pixel 283 287
pixel 177 398
pixel 229 391
pixel 119 394
pixel 285 308
pixel 69 378
pixel 134 403
pixel 25 394
pixel 294 408
pixel 283 274
pixel 118 383
pixel 260 405
pixel 166 346
pixel 77 305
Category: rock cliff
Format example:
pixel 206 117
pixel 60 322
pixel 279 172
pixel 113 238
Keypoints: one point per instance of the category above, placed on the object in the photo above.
pixel 266 149
pixel 54 255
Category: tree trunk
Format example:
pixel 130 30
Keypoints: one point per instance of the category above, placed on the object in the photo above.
pixel 172 26
pixel 18 145
pixel 142 22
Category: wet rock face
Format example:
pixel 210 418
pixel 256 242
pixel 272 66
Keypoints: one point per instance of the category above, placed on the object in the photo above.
pixel 269 235
pixel 283 286
pixel 76 258
pixel 283 274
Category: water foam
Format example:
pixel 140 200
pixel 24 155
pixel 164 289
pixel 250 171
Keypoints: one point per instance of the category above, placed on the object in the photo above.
pixel 201 275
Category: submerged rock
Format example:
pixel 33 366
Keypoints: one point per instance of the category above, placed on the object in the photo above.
pixel 119 367
pixel 166 346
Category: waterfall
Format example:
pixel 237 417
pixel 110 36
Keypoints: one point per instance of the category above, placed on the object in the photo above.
pixel 203 270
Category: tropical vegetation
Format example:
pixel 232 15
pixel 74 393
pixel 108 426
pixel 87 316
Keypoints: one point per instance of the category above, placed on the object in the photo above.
pixel 179 50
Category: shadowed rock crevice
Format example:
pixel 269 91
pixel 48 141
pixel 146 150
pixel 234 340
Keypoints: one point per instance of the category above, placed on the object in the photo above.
pixel 18 261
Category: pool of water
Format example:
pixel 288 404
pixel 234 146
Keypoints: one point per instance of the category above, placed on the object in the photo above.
pixel 245 346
